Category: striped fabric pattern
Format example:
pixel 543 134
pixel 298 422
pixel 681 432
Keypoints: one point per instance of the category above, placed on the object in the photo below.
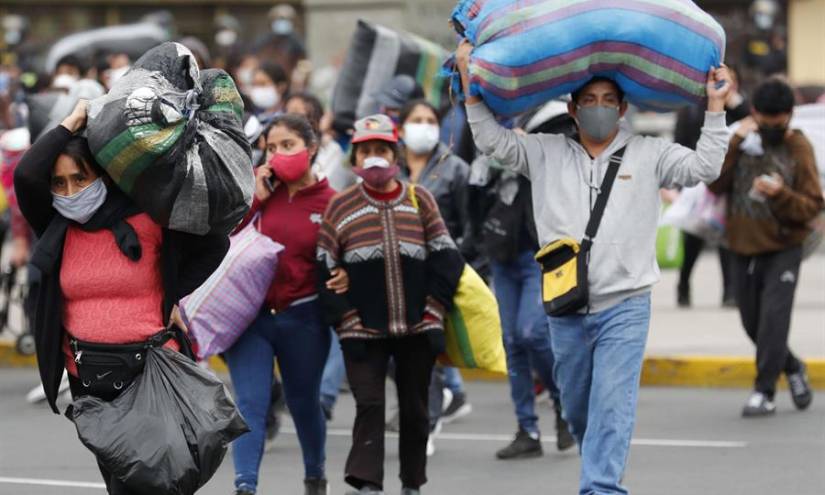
pixel 221 309
pixel 375 56
pixel 531 51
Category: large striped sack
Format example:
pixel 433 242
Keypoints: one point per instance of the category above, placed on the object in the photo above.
pixel 221 309
pixel 528 52
pixel 376 55
pixel 473 327
pixel 170 136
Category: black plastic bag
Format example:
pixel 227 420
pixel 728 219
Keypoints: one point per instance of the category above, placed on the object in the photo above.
pixel 170 136
pixel 167 433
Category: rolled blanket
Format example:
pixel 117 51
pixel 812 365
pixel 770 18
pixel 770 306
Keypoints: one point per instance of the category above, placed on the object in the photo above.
pixel 528 52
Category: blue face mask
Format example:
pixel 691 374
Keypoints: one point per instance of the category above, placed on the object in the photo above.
pixel 81 206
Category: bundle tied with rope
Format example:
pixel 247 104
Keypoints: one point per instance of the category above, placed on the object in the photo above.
pixel 170 136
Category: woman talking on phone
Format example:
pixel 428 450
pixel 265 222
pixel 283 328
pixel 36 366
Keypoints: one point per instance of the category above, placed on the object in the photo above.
pixel 289 204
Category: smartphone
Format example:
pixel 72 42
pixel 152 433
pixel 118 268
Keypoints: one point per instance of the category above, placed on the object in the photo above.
pixel 270 182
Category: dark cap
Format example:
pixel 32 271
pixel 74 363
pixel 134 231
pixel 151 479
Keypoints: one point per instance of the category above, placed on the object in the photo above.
pixel 401 89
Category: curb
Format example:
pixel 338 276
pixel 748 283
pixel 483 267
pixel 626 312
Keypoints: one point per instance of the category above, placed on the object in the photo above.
pixel 658 371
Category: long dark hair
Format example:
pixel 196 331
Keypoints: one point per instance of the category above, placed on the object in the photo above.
pixel 314 107
pixel 78 150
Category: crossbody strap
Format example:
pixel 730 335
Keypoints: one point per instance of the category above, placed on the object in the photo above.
pixel 601 200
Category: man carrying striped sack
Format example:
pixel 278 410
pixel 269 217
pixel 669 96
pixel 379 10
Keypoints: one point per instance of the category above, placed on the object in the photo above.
pixel 599 346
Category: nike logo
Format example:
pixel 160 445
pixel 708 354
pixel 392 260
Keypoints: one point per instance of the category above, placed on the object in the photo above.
pixel 101 377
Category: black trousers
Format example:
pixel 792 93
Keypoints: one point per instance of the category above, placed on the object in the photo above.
pixel 693 248
pixel 765 287
pixel 414 362
pixel 113 485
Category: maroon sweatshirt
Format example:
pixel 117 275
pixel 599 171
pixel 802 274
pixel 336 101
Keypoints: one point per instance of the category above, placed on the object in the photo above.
pixel 294 223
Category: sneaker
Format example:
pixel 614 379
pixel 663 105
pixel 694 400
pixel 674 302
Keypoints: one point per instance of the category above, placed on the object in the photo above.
pixel 366 490
pixel 758 405
pixel 801 392
pixel 315 486
pixel 430 446
pixel 446 399
pixel 522 447
pixel 243 491
pixel 564 439
pixel 327 410
pixel 458 408
pixel 410 491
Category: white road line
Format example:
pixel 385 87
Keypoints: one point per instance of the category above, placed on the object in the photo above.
pixel 60 483
pixel 481 437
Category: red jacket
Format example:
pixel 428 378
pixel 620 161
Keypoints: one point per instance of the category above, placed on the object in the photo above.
pixel 294 223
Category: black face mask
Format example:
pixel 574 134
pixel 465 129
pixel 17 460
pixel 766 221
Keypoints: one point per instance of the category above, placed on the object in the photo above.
pixel 773 136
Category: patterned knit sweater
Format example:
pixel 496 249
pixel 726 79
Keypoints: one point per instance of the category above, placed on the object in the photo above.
pixel 402 264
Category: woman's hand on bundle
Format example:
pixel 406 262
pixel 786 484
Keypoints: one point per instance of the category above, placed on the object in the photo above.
pixel 462 60
pixel 177 320
pixel 77 119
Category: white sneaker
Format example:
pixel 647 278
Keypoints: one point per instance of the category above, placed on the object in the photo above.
pixel 758 405
pixel 38 393
pixel 447 395
pixel 430 446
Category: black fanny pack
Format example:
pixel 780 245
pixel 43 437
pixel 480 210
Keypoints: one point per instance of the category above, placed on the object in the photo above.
pixel 105 369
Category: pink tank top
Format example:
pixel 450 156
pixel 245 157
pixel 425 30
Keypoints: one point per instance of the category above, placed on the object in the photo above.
pixel 108 298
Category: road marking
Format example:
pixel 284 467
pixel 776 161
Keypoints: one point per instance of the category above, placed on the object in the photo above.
pixel 60 483
pixel 482 437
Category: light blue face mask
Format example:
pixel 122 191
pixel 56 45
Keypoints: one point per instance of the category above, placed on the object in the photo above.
pixel 282 26
pixel 82 205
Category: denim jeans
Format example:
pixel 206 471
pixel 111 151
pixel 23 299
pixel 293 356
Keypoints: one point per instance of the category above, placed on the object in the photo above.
pixel 526 335
pixel 453 380
pixel 300 340
pixel 598 366
pixel 334 373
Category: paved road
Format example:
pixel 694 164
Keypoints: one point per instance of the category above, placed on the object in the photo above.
pixel 687 442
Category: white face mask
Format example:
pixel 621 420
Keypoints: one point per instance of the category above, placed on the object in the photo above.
pixel 82 205
pixel 264 97
pixel 282 26
pixel 421 138
pixel 64 81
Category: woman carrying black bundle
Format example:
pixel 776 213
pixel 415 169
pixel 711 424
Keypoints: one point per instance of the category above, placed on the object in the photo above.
pixel 110 277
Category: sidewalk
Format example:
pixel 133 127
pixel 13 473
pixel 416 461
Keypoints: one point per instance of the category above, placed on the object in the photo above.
pixel 704 346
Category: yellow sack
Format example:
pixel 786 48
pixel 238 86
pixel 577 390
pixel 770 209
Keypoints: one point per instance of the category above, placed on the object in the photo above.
pixel 4 200
pixel 473 327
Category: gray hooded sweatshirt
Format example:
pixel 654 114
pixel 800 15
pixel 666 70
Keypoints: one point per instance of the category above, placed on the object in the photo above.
pixel 565 182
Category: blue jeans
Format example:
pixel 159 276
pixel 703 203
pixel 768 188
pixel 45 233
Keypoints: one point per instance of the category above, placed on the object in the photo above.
pixel 526 336
pixel 300 340
pixel 453 380
pixel 598 366
pixel 334 372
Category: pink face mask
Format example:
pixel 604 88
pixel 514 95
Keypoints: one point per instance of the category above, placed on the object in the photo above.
pixel 290 168
pixel 376 172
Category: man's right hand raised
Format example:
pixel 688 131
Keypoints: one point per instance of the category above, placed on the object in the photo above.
pixel 462 60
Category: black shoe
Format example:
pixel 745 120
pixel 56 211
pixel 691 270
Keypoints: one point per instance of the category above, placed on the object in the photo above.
pixel 728 300
pixel 315 486
pixel 243 491
pixel 458 408
pixel 801 392
pixel 683 297
pixel 758 405
pixel 564 439
pixel 410 491
pixel 522 447
pixel 327 410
